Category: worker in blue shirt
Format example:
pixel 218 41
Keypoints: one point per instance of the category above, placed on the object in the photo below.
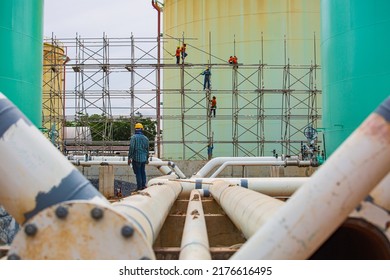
pixel 207 76
pixel 138 155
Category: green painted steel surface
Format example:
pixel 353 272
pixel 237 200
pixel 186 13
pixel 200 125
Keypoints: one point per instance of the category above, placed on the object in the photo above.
pixel 21 36
pixel 355 59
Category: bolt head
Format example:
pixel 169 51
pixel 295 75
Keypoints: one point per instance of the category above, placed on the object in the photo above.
pixel 97 213
pixel 30 229
pixel 61 212
pixel 127 231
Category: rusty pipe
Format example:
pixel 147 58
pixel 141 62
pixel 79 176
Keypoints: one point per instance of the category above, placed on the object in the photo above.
pixel 149 208
pixel 320 206
pixel 35 174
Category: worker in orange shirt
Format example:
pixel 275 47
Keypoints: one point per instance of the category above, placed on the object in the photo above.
pixel 177 54
pixel 235 60
pixel 230 60
pixel 213 107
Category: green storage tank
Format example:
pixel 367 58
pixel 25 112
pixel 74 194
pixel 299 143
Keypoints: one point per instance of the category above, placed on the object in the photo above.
pixel 355 59
pixel 21 36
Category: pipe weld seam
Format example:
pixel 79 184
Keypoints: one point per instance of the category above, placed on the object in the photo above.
pixel 195 243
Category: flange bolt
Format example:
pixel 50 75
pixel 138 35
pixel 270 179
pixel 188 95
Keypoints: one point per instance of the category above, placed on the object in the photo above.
pixel 127 231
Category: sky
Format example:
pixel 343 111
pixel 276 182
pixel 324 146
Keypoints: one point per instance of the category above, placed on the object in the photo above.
pixel 92 18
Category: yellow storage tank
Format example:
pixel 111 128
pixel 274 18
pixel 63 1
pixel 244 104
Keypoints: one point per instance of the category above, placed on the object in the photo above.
pixel 53 97
pixel 263 104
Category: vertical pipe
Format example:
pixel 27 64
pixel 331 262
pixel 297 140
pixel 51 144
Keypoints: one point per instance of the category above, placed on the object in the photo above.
pixel 158 91
pixel 319 207
pixel 195 243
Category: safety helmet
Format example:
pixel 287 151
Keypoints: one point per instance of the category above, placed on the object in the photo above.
pixel 139 126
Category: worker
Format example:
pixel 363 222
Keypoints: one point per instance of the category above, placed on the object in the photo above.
pixel 213 108
pixel 207 74
pixel 235 60
pixel 210 148
pixel 183 52
pixel 230 60
pixel 138 155
pixel 177 54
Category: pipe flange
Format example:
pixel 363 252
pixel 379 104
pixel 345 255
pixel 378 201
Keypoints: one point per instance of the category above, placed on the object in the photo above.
pixel 89 231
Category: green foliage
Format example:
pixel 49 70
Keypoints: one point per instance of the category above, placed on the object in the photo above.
pixel 121 129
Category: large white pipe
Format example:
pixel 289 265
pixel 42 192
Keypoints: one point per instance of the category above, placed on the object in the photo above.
pixel 165 167
pixel 216 162
pixel 271 186
pixel 381 193
pixel 149 208
pixel 258 163
pixel 34 174
pixel 247 209
pixel 195 242
pixel 320 206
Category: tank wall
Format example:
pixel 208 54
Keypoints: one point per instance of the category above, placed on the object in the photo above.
pixel 21 29
pixel 355 59
pixel 255 31
pixel 54 59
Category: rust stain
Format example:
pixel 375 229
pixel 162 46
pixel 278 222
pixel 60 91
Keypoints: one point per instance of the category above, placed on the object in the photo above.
pixel 376 126
pixel 195 212
pixel 195 198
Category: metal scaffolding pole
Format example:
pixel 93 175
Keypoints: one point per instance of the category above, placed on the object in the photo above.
pixel 94 68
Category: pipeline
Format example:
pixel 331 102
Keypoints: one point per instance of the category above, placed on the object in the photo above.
pixel 165 167
pixel 222 162
pixel 247 209
pixel 194 243
pixel 299 228
pixel 63 206
pixel 271 186
pixel 29 157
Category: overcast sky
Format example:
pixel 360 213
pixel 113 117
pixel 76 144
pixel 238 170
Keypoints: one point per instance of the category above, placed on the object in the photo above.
pixel 90 18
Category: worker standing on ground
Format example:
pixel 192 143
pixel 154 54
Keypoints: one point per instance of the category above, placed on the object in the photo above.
pixel 183 52
pixel 213 107
pixel 138 155
pixel 177 54
pixel 207 75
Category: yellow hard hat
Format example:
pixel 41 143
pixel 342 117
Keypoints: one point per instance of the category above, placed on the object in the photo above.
pixel 139 126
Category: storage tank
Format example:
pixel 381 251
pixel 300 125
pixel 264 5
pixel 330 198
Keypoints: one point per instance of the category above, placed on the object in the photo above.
pixel 356 76
pixel 21 29
pixel 267 32
pixel 53 97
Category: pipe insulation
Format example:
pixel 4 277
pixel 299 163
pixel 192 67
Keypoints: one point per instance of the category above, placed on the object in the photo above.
pixel 320 206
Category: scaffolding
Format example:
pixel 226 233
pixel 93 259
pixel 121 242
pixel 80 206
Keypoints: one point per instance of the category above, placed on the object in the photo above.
pixel 114 77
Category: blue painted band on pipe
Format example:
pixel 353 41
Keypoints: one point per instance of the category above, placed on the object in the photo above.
pixel 9 115
pixel 244 183
pixel 73 187
pixel 198 184
pixel 384 109
pixel 206 193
